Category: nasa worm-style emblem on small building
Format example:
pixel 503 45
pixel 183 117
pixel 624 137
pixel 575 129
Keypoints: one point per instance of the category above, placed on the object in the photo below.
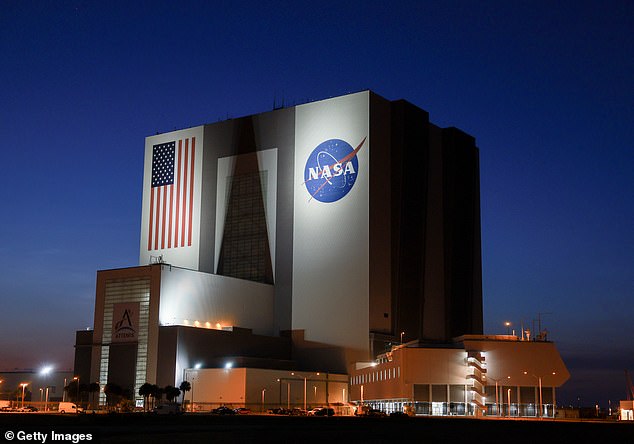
pixel 331 170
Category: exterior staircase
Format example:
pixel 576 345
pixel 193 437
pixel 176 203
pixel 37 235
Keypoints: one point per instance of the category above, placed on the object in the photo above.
pixel 476 379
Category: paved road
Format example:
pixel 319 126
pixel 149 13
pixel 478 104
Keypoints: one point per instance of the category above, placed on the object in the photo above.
pixel 138 428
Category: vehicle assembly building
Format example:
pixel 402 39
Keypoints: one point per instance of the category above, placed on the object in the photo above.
pixel 310 238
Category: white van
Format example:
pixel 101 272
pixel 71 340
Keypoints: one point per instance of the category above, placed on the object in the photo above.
pixel 69 407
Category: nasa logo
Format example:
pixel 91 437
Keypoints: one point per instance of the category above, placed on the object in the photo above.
pixel 331 170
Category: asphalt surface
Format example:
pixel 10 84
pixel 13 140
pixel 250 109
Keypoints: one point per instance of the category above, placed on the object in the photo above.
pixel 141 428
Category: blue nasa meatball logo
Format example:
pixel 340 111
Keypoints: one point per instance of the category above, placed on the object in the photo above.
pixel 331 170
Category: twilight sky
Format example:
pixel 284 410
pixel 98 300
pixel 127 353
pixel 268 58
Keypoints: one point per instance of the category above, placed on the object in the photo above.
pixel 546 88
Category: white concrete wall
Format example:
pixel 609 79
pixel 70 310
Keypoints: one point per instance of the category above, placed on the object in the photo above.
pixel 188 296
pixel 244 386
pixel 330 240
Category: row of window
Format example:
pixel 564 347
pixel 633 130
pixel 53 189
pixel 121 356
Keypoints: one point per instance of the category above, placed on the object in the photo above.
pixel 380 375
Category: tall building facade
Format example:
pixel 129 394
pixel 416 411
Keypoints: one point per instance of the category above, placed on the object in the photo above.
pixel 344 225
pixel 358 210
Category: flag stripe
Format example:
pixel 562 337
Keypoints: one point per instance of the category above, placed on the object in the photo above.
pixel 163 218
pixel 185 164
pixel 156 226
pixel 178 193
pixel 191 192
pixel 169 229
pixel 149 237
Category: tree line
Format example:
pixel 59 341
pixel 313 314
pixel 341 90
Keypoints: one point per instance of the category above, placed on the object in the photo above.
pixel 118 396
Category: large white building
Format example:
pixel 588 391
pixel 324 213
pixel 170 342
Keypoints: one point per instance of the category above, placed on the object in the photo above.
pixel 304 238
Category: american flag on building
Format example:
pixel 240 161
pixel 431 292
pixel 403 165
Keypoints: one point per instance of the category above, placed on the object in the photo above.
pixel 171 195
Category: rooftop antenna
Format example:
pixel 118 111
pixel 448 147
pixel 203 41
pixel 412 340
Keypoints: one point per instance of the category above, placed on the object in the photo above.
pixel 630 388
pixel 542 333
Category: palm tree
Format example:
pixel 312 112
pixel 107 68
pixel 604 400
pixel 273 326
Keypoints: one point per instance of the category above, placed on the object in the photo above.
pixel 93 388
pixel 157 393
pixel 71 391
pixel 146 391
pixel 171 392
pixel 113 393
pixel 185 387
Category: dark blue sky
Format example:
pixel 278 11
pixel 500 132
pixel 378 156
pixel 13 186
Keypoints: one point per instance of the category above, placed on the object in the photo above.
pixel 546 88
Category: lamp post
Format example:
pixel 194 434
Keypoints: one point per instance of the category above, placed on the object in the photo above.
pixel 497 399
pixel 76 378
pixel 45 372
pixel 64 392
pixel 194 377
pixel 263 392
pixel 23 385
pixel 541 405
pixel 305 380
pixel 402 333
pixel 497 403
pixel 507 324
pixel 509 398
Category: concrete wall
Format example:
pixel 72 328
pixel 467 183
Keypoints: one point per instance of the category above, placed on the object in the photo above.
pixel 244 386
pixel 188 296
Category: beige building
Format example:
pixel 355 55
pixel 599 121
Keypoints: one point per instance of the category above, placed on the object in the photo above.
pixel 263 389
pixel 476 375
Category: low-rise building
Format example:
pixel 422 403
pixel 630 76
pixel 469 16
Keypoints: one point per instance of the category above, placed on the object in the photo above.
pixel 499 375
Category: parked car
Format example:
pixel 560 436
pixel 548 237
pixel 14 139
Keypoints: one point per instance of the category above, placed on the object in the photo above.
pixel 28 409
pixel 167 409
pixel 223 410
pixel 69 407
pixel 325 411
pixel 376 413
pixel 399 415
pixel 242 411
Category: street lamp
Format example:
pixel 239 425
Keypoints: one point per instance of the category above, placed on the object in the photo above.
pixel 293 374
pixel 23 385
pixel 508 327
pixel 509 398
pixel 497 402
pixel 541 406
pixel 402 333
pixel 193 375
pixel 263 392
pixel 45 372
pixel 76 378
